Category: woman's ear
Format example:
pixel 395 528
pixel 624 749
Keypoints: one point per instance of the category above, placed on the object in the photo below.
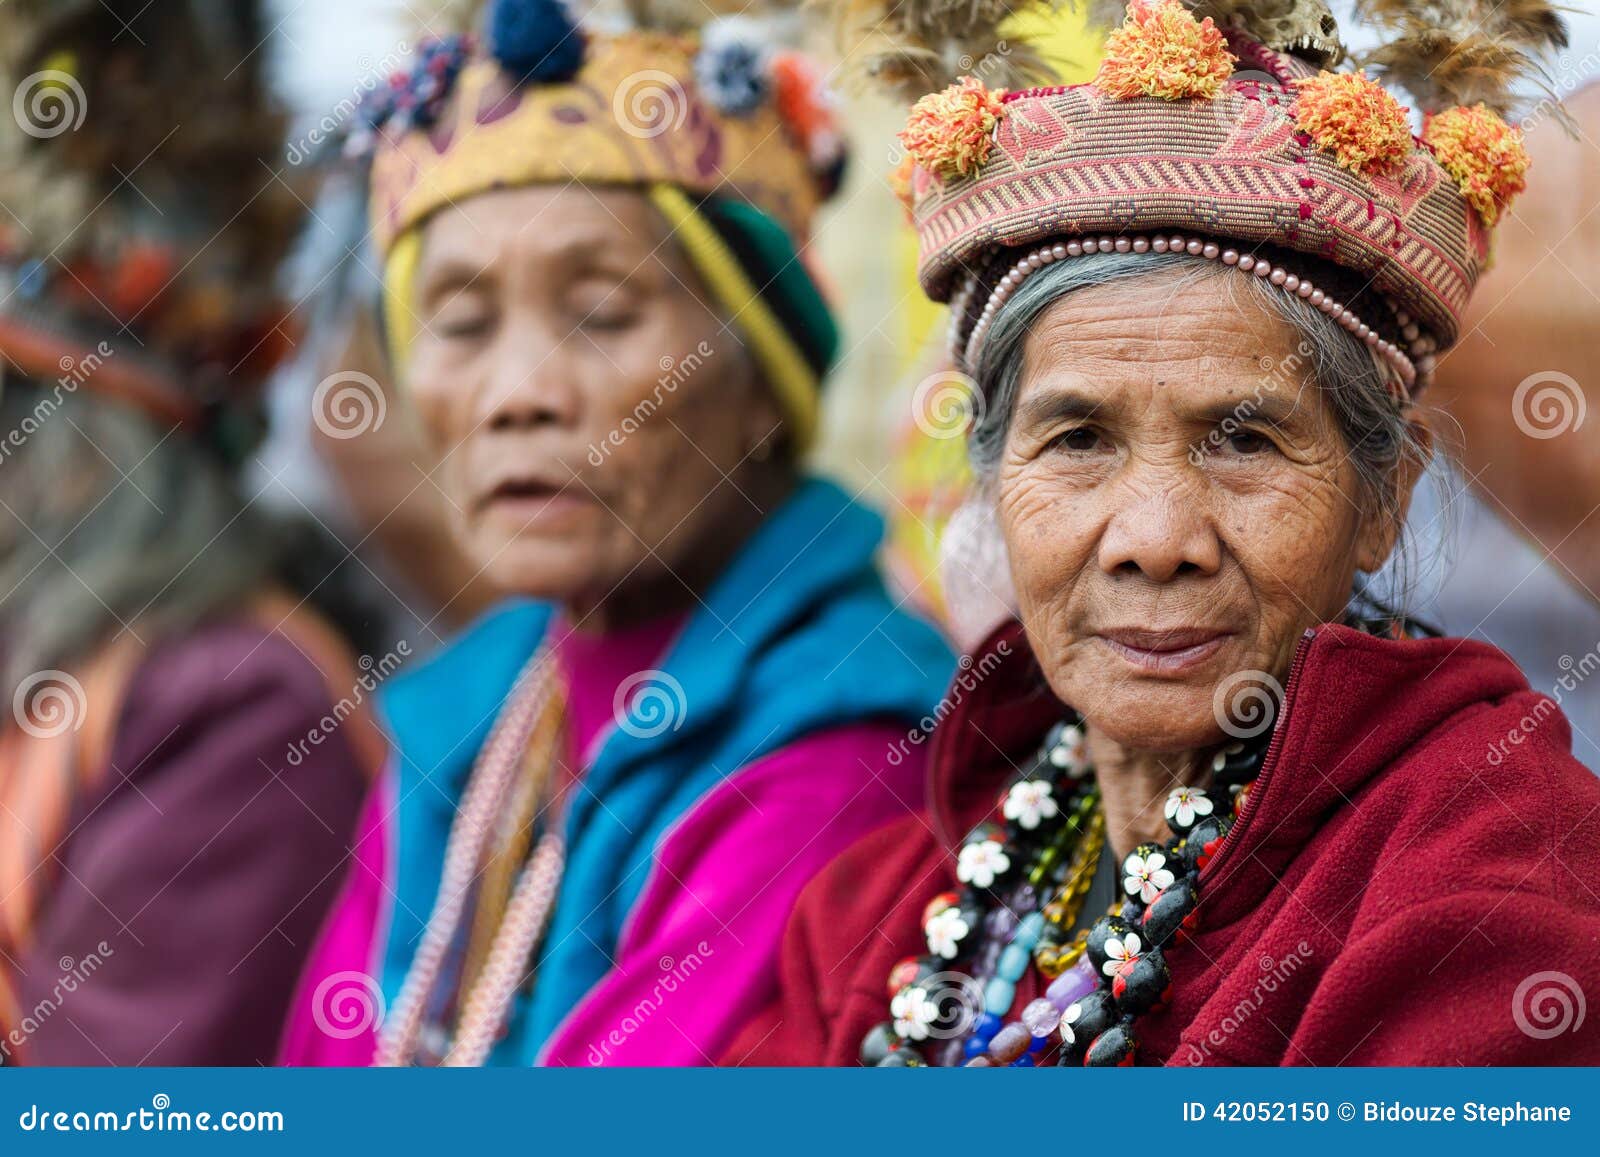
pixel 1383 527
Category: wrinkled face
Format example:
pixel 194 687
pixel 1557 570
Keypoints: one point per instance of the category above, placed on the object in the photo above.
pixel 591 410
pixel 1177 502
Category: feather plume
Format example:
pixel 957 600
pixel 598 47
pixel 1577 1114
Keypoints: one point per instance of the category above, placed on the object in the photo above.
pixel 913 47
pixel 1461 52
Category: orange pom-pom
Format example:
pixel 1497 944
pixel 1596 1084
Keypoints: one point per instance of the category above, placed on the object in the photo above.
pixel 1161 50
pixel 1483 153
pixel 949 133
pixel 1355 119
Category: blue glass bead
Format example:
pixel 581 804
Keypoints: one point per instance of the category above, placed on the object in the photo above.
pixel 976 1046
pixel 987 1024
pixel 1030 928
pixel 1025 1061
pixel 1013 962
pixel 998 995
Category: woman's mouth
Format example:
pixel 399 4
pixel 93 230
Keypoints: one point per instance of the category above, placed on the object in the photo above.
pixel 1165 652
pixel 530 500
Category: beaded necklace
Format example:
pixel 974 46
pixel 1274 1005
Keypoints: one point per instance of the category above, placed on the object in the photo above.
pixel 1046 841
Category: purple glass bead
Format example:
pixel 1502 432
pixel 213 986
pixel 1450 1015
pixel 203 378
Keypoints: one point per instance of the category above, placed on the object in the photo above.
pixel 1041 1017
pixel 1073 984
pixel 1009 1044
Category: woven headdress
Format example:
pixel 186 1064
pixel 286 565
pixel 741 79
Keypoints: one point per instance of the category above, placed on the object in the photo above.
pixel 1219 129
pixel 142 223
pixel 730 134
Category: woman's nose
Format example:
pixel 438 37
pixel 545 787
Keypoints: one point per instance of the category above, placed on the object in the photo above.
pixel 530 382
pixel 1160 528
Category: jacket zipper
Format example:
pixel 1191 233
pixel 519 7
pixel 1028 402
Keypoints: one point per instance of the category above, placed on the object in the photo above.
pixel 1269 761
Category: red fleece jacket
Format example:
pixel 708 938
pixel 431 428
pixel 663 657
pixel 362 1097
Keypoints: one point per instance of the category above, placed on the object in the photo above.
pixel 1415 879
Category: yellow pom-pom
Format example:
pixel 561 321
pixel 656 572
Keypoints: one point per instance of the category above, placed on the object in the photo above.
pixel 949 132
pixel 1161 50
pixel 1355 119
pixel 1483 153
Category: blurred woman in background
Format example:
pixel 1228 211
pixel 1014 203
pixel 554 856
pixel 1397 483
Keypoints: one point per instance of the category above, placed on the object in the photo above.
pixel 184 746
pixel 608 793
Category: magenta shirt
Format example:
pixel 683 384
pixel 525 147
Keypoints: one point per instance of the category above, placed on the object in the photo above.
pixel 698 955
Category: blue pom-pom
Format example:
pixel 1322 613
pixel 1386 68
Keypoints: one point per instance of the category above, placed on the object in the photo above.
pixel 535 40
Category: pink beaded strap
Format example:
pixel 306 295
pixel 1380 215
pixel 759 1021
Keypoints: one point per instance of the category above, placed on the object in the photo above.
pixel 532 901
pixel 1406 371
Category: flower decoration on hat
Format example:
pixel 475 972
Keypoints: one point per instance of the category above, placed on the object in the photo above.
pixel 950 132
pixel 410 99
pixel 733 68
pixel 808 110
pixel 1161 50
pixel 1355 119
pixel 1485 155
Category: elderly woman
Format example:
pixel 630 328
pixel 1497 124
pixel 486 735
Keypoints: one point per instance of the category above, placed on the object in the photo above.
pixel 609 792
pixel 1242 816
pixel 183 748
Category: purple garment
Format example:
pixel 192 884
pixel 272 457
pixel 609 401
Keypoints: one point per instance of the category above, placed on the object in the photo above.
pixel 200 870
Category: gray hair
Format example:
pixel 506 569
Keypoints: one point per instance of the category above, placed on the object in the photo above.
pixel 109 521
pixel 1379 438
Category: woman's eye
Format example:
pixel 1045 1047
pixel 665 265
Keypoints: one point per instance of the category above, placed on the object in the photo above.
pixel 1078 439
pixel 608 318
pixel 463 325
pixel 1247 442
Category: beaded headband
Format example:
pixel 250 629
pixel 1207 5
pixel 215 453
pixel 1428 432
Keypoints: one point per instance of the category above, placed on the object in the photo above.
pixel 1235 144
